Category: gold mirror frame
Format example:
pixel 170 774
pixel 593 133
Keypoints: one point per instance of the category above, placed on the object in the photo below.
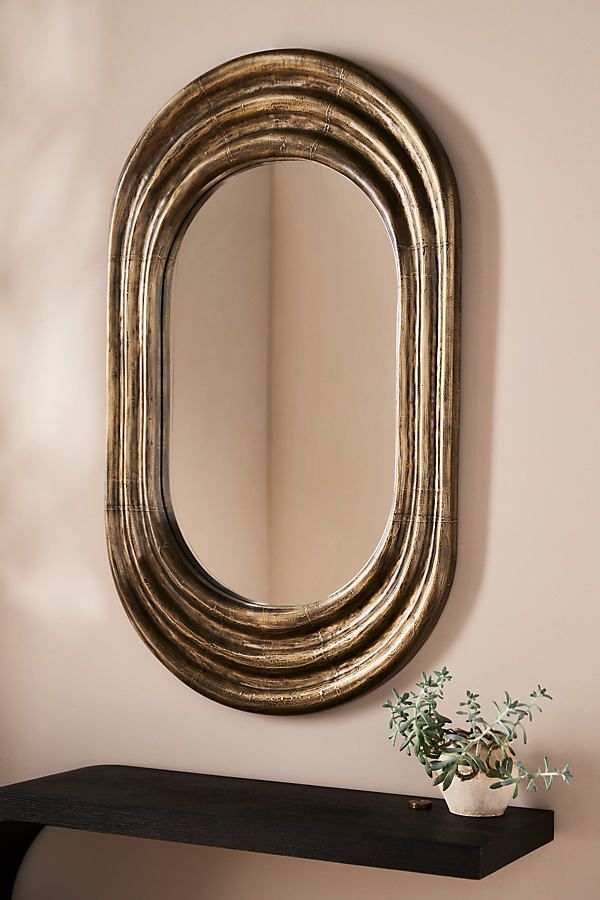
pixel 288 104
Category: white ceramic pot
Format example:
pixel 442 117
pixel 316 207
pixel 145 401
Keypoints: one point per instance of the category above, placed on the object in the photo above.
pixel 474 797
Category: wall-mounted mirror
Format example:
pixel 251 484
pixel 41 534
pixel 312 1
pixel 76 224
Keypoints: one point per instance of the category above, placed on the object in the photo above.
pixel 283 382
pixel 283 413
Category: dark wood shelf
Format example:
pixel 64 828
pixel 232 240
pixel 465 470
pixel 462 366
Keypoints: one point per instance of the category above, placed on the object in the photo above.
pixel 357 827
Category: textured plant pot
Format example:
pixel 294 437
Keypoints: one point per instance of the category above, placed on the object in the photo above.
pixel 474 797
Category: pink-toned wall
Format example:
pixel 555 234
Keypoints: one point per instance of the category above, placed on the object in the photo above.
pixel 511 89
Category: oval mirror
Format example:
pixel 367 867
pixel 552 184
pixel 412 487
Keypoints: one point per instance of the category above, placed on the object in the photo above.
pixel 283 382
pixel 283 387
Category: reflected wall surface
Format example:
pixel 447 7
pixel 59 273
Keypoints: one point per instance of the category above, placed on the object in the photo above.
pixel 283 373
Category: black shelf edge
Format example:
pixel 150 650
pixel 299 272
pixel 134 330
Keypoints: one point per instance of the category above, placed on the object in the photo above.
pixel 339 825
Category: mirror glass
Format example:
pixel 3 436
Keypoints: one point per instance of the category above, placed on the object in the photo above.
pixel 283 313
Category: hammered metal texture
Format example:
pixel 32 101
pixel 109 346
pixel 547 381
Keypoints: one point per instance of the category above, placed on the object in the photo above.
pixel 288 104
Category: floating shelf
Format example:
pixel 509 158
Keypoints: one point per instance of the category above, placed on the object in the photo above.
pixel 357 827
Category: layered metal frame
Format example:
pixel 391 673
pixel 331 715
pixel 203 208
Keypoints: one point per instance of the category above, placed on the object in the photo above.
pixel 279 105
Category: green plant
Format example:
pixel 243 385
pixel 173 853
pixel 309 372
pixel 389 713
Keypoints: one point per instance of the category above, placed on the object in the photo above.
pixel 483 746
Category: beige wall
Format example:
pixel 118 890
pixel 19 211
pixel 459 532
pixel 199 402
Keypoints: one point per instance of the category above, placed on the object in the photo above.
pixel 511 89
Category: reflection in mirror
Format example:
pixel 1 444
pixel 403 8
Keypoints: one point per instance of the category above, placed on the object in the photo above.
pixel 283 382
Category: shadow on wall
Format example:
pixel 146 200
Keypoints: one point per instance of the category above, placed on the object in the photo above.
pixel 480 298
pixel 150 870
pixel 52 349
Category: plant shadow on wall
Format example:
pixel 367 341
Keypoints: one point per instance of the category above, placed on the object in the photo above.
pixel 52 408
pixel 480 299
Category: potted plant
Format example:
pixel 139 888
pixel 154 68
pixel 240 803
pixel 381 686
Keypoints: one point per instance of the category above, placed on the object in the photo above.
pixel 474 765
